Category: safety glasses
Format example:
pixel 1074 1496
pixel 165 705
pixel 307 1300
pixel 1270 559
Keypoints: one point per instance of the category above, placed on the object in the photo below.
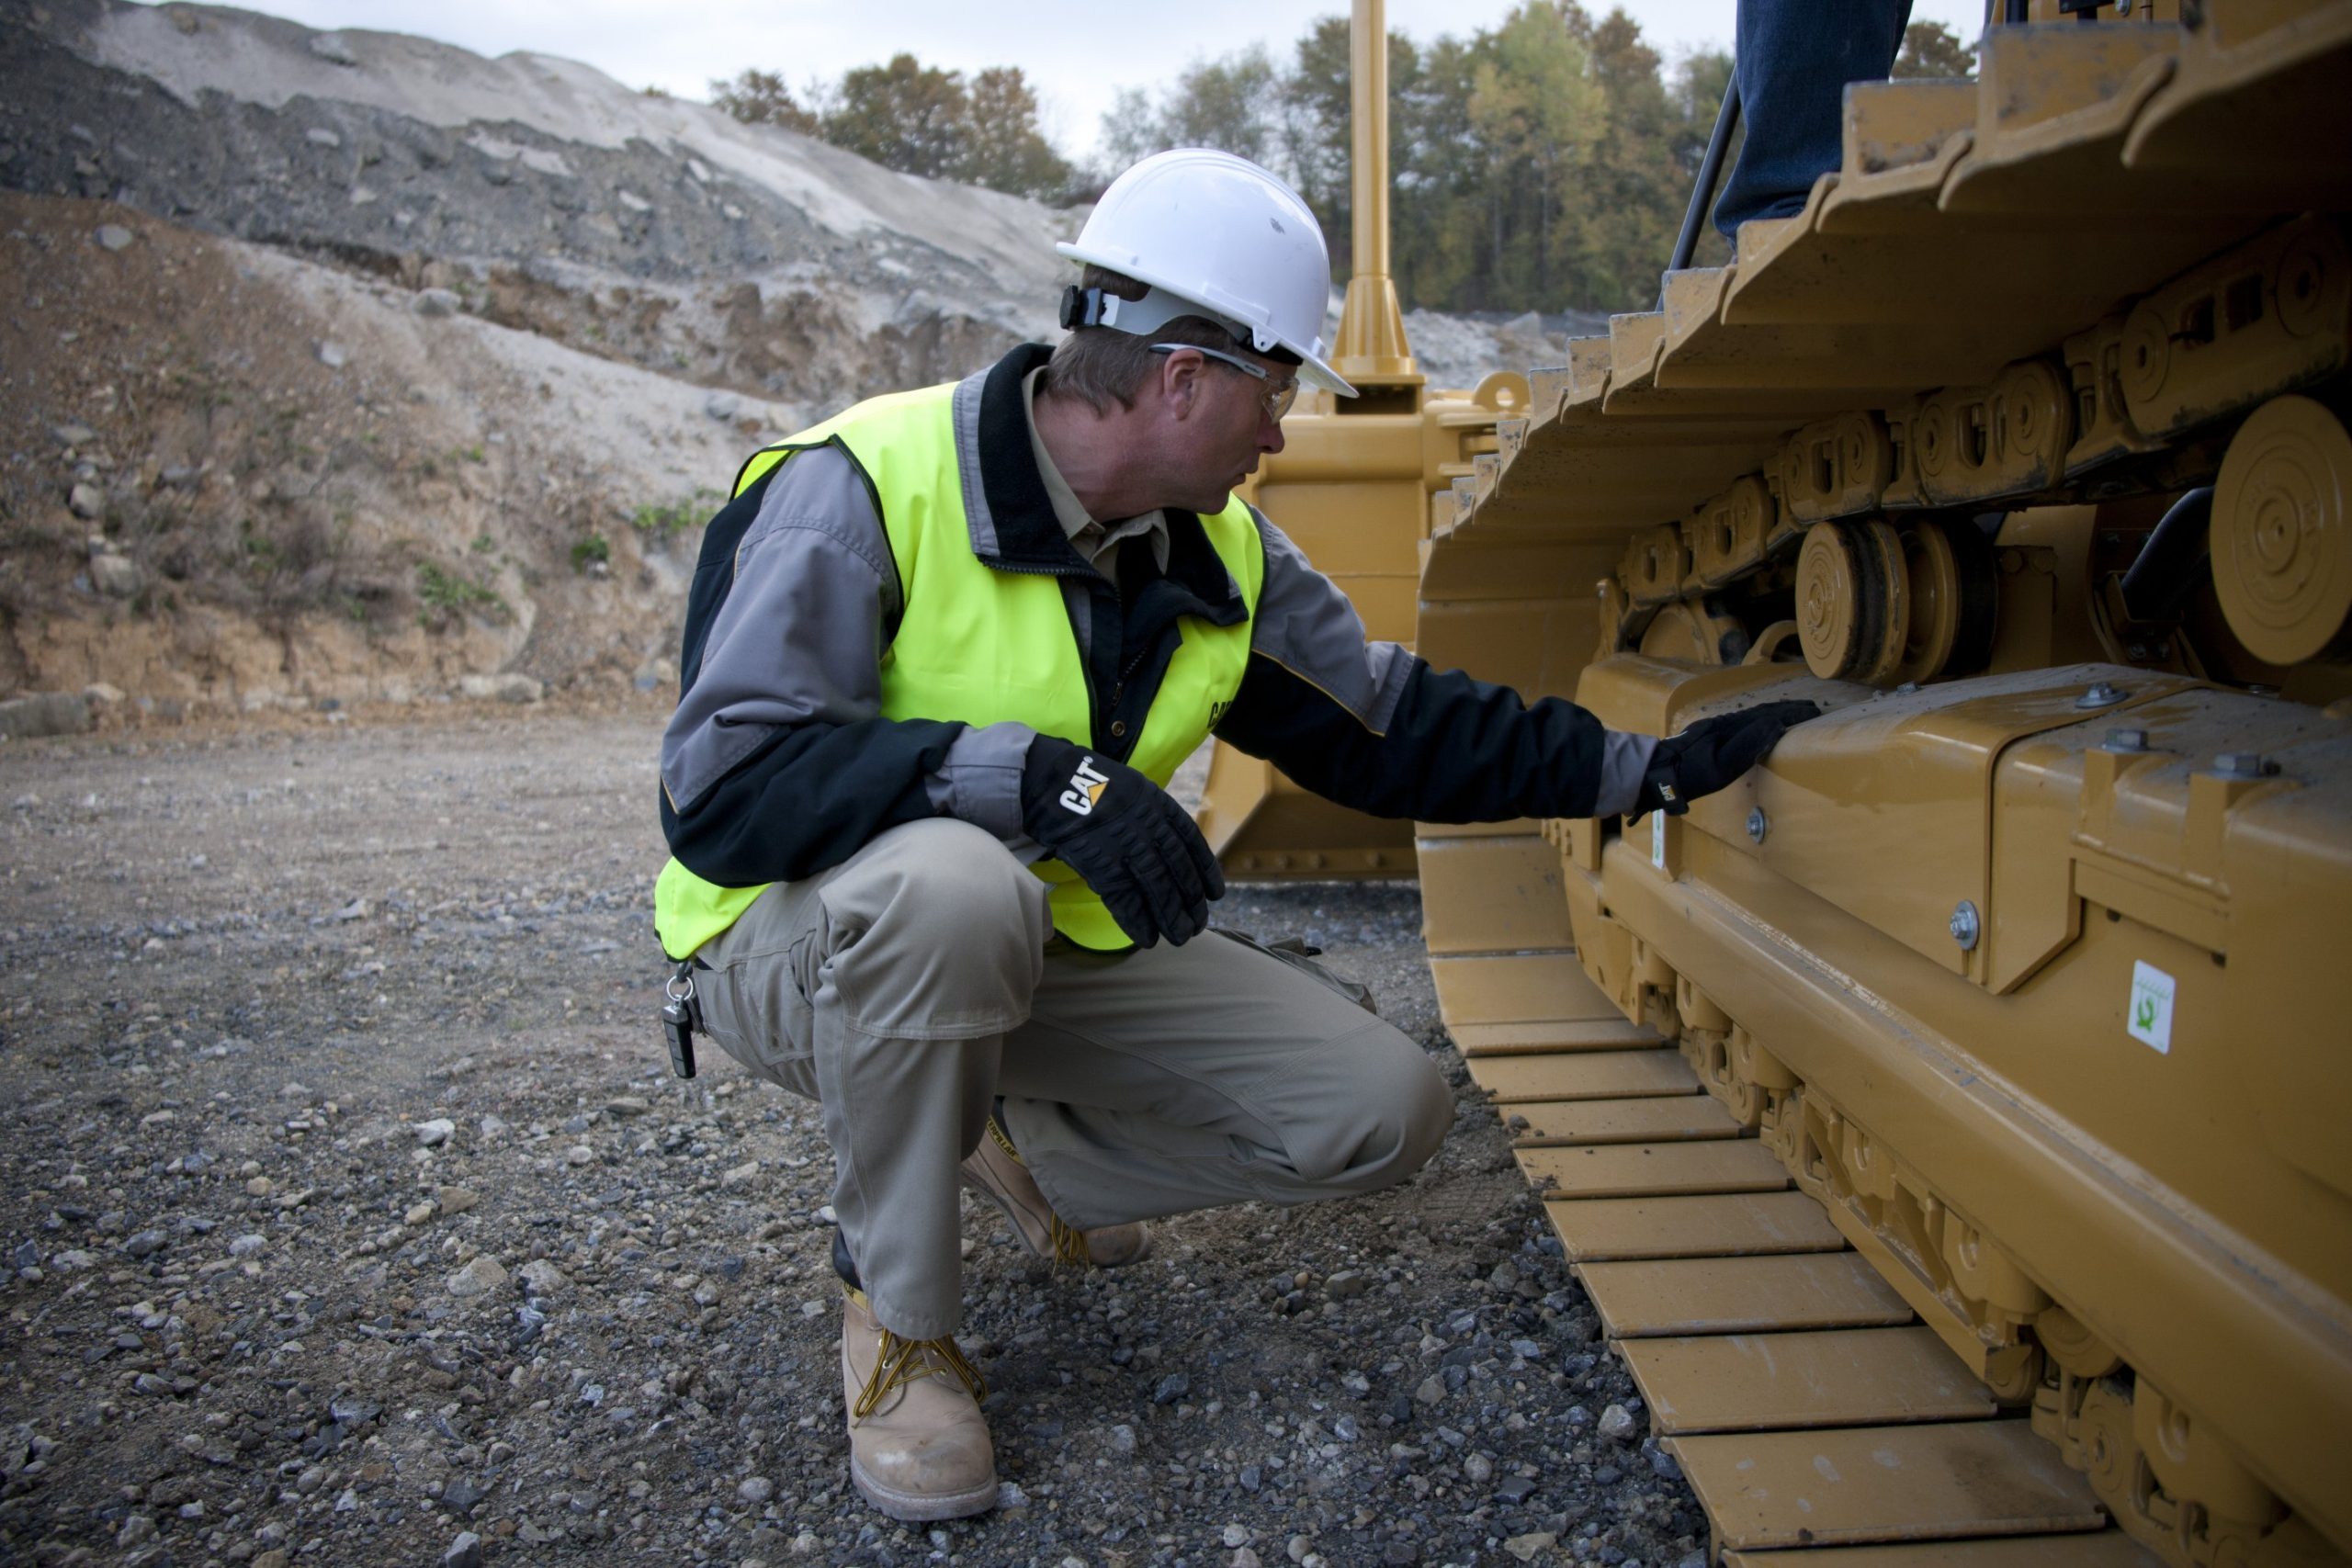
pixel 1276 399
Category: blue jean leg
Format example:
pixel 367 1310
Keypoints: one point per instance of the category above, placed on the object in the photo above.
pixel 1792 59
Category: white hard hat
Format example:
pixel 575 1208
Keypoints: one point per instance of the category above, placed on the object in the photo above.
pixel 1217 236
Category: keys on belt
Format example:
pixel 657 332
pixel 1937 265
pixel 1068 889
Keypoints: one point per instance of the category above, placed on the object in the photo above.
pixel 681 1017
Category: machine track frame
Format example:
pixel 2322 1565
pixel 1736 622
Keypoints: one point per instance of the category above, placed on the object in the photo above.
pixel 1947 1120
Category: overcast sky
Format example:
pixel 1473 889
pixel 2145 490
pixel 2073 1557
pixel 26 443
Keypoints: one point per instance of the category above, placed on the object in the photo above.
pixel 1078 53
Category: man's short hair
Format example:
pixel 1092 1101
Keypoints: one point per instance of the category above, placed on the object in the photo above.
pixel 1104 364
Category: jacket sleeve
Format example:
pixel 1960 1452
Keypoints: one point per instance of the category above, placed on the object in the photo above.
pixel 777 764
pixel 1371 726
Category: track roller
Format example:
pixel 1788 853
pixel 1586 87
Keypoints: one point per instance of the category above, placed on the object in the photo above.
pixel 1853 600
pixel 2281 535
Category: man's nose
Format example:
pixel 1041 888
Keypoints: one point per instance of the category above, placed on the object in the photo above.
pixel 1270 435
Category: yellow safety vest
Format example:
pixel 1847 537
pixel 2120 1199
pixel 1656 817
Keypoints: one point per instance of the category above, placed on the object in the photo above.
pixel 983 646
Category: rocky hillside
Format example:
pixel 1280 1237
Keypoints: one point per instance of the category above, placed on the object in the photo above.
pixel 351 365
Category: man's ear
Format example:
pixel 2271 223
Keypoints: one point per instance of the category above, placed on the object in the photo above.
pixel 1180 382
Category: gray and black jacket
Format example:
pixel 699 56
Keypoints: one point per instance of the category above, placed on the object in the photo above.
pixel 777 764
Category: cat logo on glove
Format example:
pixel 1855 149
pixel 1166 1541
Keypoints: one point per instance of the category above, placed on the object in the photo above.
pixel 1086 787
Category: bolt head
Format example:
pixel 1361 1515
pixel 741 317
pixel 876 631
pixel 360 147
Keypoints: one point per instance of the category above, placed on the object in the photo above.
pixel 2245 765
pixel 1965 926
pixel 1757 824
pixel 2101 694
pixel 2127 740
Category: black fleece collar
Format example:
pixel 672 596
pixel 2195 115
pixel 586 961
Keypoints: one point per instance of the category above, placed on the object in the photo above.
pixel 1029 537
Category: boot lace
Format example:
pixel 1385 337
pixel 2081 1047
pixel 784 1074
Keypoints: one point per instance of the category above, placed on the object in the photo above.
pixel 1069 1242
pixel 903 1362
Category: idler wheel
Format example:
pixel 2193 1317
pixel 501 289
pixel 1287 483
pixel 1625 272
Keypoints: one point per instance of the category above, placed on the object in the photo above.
pixel 1951 575
pixel 1932 574
pixel 1853 608
pixel 2281 535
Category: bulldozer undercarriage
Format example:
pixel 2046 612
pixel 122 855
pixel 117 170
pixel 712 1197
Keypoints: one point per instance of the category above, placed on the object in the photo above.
pixel 1949 1120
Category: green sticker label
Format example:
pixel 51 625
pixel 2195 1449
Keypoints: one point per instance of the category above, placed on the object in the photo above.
pixel 2147 1016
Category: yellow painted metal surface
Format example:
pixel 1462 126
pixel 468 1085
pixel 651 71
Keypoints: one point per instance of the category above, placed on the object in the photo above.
pixel 1715 1295
pixel 1592 1075
pixel 1836 1377
pixel 1568 1123
pixel 1739 1224
pixel 1875 1484
pixel 2026 964
pixel 1643 1171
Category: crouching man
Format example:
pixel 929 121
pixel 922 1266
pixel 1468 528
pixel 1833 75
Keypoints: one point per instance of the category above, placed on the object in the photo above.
pixel 943 653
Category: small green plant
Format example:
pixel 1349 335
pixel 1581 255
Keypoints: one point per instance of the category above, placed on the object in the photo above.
pixel 445 593
pixel 263 556
pixel 662 521
pixel 484 543
pixel 473 454
pixel 594 550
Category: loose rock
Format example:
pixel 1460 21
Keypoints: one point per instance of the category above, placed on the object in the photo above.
pixel 509 688
pixel 481 1277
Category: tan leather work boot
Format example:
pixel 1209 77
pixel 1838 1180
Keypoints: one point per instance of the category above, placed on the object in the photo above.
pixel 995 1171
pixel 918 1444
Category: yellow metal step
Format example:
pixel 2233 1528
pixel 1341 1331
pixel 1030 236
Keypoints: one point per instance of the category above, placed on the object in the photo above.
pixel 1883 1483
pixel 1590 1075
pixel 1565 1122
pixel 1837 1377
pixel 1732 1295
pixel 1502 895
pixel 1517 988
pixel 1727 1224
pixel 1643 1170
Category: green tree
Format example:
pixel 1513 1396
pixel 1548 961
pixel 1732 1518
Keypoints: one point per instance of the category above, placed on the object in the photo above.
pixel 1439 167
pixel 1541 112
pixel 1931 49
pixel 1543 164
pixel 905 115
pixel 1625 231
pixel 760 97
pixel 1004 149
pixel 1130 131
pixel 1317 119
pixel 917 119
pixel 1232 104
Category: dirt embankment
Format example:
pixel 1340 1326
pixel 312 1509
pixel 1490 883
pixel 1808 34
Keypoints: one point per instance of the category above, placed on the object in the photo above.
pixel 352 366
pixel 234 479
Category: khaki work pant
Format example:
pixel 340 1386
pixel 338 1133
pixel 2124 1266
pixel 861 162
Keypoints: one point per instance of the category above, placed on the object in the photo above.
pixel 907 988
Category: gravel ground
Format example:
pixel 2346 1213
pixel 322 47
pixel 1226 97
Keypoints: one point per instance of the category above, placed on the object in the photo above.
pixel 352 1217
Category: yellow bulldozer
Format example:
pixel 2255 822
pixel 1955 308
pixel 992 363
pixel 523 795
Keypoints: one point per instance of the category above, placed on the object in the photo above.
pixel 1952 1121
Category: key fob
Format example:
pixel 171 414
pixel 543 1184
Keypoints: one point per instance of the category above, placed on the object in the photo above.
pixel 678 1031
